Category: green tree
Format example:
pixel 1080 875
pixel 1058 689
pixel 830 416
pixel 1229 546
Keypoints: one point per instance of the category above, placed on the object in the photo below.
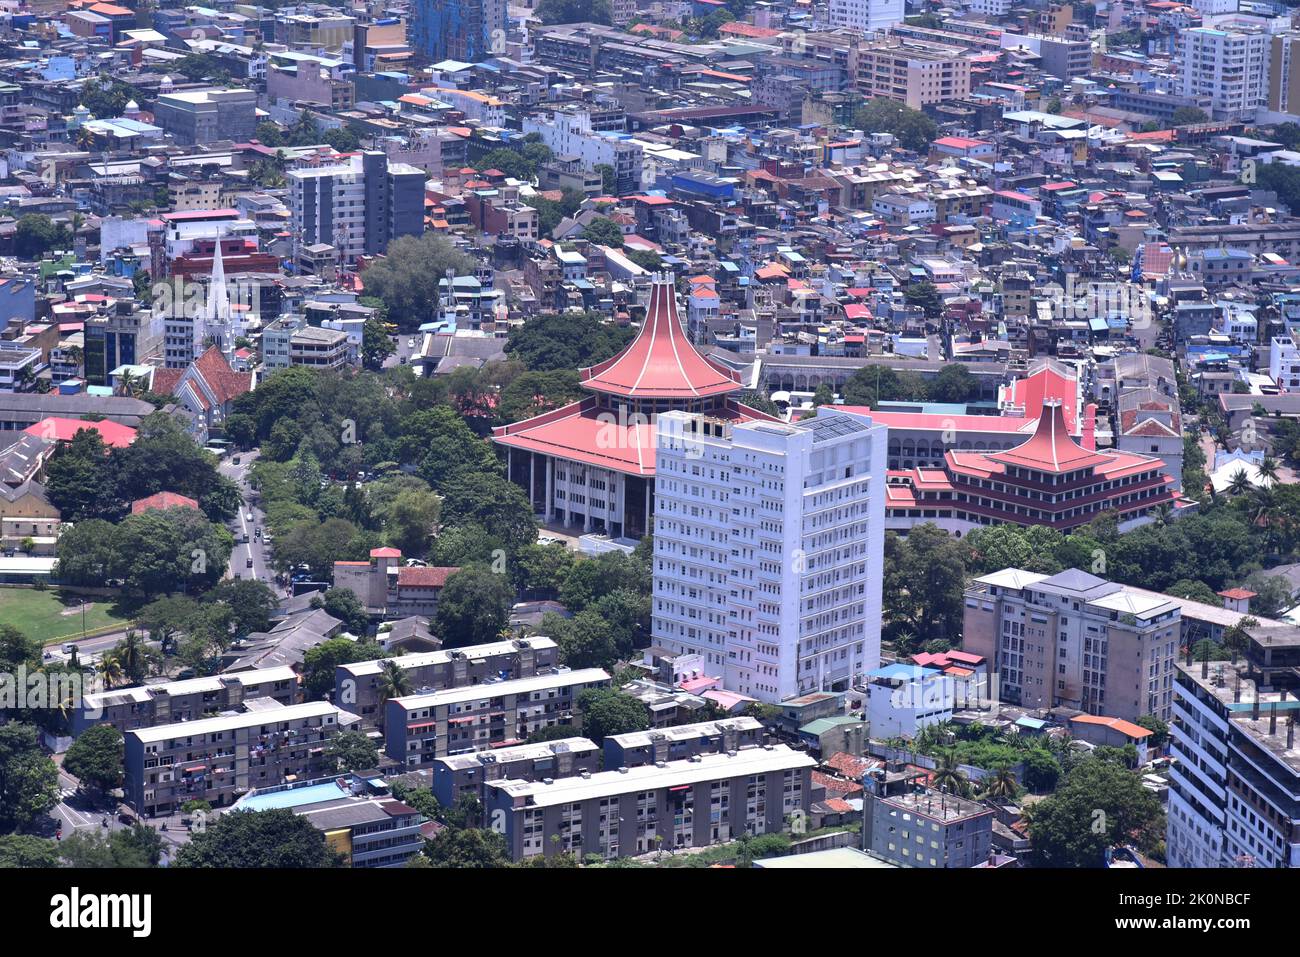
pixel 258 839
pixel 1159 729
pixel 470 847
pixel 344 605
pixel 473 607
pixel 251 604
pixel 29 781
pixel 353 751
pixel 608 178
pixel 607 711
pixel 1042 770
pixel 406 278
pixel 1189 116
pixel 603 232
pixel 573 11
pixel 565 341
pixel 1099 805
pixel 36 234
pixel 915 130
pixel 410 521
pixel 25 850
pixel 376 343
pixel 319 664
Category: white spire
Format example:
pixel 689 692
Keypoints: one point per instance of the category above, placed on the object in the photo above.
pixel 216 318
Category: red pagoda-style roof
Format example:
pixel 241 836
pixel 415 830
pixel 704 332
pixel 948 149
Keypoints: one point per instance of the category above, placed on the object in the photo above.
pixel 584 432
pixel 661 363
pixel 1050 448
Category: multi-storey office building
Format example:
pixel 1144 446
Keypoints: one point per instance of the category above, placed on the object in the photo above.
pixel 420 728
pixel 682 741
pixel 769 541
pixel 1234 795
pixel 218 759
pixel 704 800
pixel 129 708
pixel 459 774
pixel 1075 640
pixel 356 685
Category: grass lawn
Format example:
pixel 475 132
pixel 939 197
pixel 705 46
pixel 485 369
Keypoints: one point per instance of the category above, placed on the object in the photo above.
pixel 49 615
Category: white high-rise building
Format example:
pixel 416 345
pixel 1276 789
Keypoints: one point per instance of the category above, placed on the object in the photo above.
pixel 1234 786
pixel 866 15
pixel 1229 66
pixel 769 547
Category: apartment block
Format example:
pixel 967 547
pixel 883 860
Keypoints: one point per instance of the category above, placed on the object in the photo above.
pixel 219 759
pixel 867 16
pixel 460 774
pixel 928 829
pixel 420 728
pixel 356 685
pixel 704 800
pixel 1075 640
pixel 1229 66
pixel 594 137
pixel 358 205
pixel 1283 77
pixel 465 30
pixel 681 742
pixel 768 546
pixel 130 708
pixel 1234 794
pixel 914 72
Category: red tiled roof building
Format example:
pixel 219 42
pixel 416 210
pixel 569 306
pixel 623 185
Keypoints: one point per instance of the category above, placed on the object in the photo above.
pixel 592 463
pixel 1049 479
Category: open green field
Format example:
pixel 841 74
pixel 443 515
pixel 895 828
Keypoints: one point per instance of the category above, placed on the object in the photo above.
pixel 50 615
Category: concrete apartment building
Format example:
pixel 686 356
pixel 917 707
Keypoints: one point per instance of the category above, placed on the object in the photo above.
pixel 356 685
pixel 914 72
pixel 1283 76
pixel 130 708
pixel 1230 66
pixel 420 728
pixel 594 137
pixel 867 16
pixel 459 774
pixel 219 759
pixel 357 205
pixel 681 742
pixel 768 549
pixel 1234 795
pixel 1075 640
pixel 206 116
pixel 704 800
pixel 928 829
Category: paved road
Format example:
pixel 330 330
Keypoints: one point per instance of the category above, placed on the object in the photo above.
pixel 245 527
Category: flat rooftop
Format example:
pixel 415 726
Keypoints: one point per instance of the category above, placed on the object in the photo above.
pixel 1237 692
pixel 685 732
pixel 495 689
pixel 491 649
pixel 674 774
pixel 522 752
pixel 186 729
pixel 935 806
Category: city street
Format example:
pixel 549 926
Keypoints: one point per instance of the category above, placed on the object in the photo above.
pixel 248 544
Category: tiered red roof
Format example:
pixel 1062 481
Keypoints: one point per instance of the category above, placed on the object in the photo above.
pixel 661 363
pixel 163 500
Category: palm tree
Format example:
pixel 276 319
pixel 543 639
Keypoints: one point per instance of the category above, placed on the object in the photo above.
pixel 131 654
pixel 111 669
pixel 1267 469
pixel 948 775
pixel 394 681
pixel 1001 783
pixel 1240 483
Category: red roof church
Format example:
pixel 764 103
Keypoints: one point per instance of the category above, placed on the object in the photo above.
pixel 1049 479
pixel 591 464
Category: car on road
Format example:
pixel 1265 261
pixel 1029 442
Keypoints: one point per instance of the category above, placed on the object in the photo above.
pixel 249 563
pixel 235 460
